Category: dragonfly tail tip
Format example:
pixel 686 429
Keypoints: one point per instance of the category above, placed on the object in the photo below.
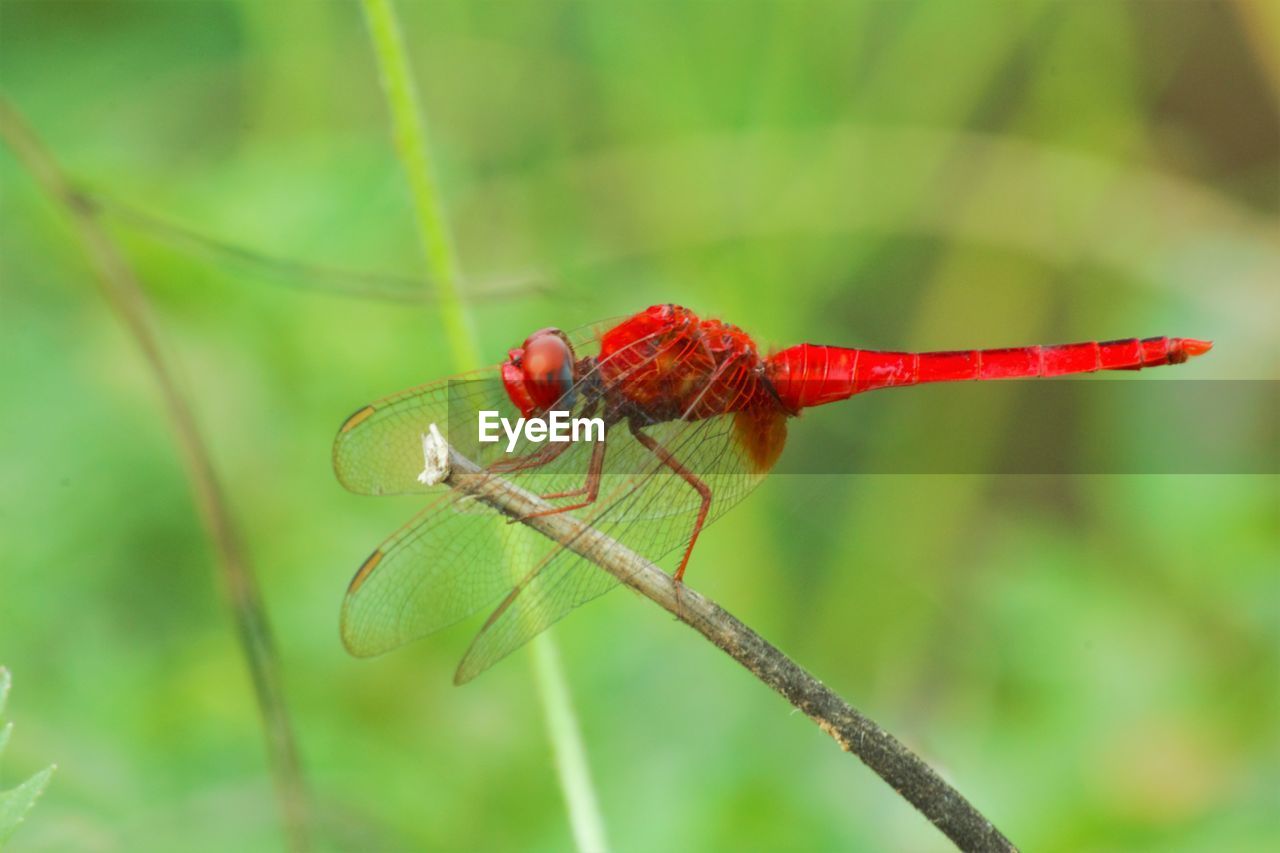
pixel 1193 347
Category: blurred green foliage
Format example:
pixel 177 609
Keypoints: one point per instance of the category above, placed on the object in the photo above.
pixel 1095 661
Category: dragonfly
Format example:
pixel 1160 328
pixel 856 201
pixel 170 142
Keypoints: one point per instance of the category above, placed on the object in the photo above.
pixel 694 415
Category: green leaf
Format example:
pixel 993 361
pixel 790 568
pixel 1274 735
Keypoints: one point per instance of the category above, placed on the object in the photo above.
pixel 16 802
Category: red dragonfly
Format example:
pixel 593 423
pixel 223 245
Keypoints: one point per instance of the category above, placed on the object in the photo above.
pixel 694 418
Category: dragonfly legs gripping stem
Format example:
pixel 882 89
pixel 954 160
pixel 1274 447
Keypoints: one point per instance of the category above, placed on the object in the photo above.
pixel 540 457
pixel 590 488
pixel 693 480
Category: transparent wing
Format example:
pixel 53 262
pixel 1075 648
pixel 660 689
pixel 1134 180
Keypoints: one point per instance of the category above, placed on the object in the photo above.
pixel 456 556
pixel 378 450
pixel 444 565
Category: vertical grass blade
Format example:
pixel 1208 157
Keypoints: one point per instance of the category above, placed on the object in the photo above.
pixel 571 758
pixel 409 135
pixel 410 139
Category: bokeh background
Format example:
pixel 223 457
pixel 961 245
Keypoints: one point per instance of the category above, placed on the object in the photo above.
pixel 1092 659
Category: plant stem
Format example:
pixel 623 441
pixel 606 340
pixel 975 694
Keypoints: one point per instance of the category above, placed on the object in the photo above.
pixel 124 293
pixel 409 132
pixel 571 758
pixel 905 771
pixel 410 137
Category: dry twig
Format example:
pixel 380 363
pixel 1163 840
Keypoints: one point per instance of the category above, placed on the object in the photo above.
pixel 905 771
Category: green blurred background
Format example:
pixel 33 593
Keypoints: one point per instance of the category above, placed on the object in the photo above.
pixel 1092 660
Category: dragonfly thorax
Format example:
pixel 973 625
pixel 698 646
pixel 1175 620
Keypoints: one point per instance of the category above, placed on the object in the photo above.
pixel 669 364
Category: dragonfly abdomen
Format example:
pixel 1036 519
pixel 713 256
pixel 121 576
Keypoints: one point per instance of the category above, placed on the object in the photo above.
pixel 813 374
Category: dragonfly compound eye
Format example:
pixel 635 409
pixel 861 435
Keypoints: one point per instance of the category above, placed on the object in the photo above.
pixel 547 368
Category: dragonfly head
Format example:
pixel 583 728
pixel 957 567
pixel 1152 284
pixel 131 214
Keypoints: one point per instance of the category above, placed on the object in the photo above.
pixel 540 372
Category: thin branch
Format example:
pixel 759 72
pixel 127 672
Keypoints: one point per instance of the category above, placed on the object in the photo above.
pixel 120 286
pixel 905 771
pixel 410 135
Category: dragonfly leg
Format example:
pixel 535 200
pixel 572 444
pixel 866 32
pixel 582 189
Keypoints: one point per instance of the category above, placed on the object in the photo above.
pixel 591 488
pixel 689 477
